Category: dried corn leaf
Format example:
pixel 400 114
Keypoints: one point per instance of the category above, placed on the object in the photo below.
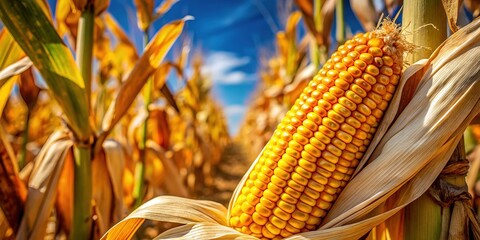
pixel 34 32
pixel 28 89
pixel 169 209
pixel 366 13
pixel 203 231
pixel 452 9
pixel 175 185
pixel 115 159
pixel 163 8
pixel 144 13
pixel 146 65
pixel 42 186
pixel 14 69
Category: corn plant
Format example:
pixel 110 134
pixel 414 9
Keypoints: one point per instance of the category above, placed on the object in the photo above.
pixel 301 186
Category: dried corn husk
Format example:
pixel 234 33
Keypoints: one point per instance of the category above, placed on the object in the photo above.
pixel 409 151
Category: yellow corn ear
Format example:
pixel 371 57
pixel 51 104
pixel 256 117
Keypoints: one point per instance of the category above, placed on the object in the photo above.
pixel 315 149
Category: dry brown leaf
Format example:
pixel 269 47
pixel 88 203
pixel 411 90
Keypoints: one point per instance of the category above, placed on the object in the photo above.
pixel 452 8
pixel 147 65
pixel 366 13
pixel 174 185
pixel 144 13
pixel 28 89
pixel 163 8
pixel 42 186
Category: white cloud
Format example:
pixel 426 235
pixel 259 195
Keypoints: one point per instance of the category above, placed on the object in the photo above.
pixel 221 67
pixel 234 110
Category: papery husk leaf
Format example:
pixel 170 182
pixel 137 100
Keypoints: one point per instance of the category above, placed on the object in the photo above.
pixel 452 8
pixel 203 231
pixel 147 64
pixel 42 186
pixel 35 34
pixel 169 209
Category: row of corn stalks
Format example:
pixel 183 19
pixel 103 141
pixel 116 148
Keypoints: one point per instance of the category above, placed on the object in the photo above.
pixel 75 157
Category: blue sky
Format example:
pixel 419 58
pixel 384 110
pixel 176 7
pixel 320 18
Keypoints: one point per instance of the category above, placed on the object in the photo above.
pixel 230 33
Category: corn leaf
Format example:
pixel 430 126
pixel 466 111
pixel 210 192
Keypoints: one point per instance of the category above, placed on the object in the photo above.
pixel 452 9
pixel 203 231
pixel 42 186
pixel 144 13
pixel 163 8
pixel 35 34
pixel 166 208
pixel 115 159
pixel 366 13
pixel 146 66
pixel 14 69
pixel 175 184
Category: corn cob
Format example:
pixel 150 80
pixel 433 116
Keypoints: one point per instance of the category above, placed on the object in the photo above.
pixel 316 147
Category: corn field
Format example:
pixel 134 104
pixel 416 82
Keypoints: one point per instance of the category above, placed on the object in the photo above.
pixel 348 134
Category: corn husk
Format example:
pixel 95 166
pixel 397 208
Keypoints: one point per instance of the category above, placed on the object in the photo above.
pixel 411 147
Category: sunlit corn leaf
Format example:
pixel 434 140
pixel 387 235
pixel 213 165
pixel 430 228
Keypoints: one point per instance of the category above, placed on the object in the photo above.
pixel 147 65
pixel 67 20
pixel 452 9
pixel 35 34
pixel 5 91
pixel 144 13
pixel 366 13
pixel 163 8
pixel 11 64
pixel 42 186
pixel 166 208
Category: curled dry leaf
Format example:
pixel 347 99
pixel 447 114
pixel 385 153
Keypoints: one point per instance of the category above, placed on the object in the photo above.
pixel 452 9
pixel 146 66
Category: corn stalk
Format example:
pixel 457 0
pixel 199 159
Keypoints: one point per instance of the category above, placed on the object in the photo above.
pixel 425 20
pixel 139 189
